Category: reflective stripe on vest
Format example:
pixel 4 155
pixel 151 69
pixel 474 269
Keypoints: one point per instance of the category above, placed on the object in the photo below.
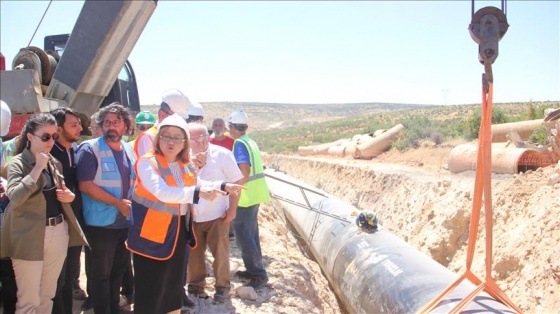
pixel 257 190
pixel 144 197
pixel 155 225
pixel 108 178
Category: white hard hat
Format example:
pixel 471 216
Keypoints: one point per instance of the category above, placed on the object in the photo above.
pixel 238 117
pixel 176 101
pixel 5 118
pixel 195 109
pixel 175 120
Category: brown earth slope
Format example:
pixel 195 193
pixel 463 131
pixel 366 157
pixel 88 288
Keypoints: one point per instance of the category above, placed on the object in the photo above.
pixel 430 208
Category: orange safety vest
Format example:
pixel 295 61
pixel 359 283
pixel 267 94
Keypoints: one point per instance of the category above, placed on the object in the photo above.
pixel 151 133
pixel 154 228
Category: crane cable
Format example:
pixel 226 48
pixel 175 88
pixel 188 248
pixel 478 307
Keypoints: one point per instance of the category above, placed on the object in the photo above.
pixel 487 36
pixel 36 29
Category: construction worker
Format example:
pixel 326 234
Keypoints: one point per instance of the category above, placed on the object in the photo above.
pixel 248 158
pixel 173 101
pixel 196 113
pixel 145 119
pixel 367 221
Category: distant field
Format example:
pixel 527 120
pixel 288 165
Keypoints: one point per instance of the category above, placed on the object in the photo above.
pixel 284 127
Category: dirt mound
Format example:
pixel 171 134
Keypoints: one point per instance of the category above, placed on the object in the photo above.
pixel 430 209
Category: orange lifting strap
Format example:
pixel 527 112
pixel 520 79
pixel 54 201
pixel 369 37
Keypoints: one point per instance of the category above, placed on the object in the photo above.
pixel 482 186
pixel 487 27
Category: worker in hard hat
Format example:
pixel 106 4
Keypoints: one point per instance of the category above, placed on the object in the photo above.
pixel 196 113
pixel 367 221
pixel 172 101
pixel 145 119
pixel 248 158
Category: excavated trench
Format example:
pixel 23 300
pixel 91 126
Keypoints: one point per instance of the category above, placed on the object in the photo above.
pixel 431 211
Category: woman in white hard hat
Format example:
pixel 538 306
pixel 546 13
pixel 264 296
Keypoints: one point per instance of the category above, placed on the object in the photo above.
pixel 161 215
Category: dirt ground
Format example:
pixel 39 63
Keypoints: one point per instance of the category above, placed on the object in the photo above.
pixel 420 201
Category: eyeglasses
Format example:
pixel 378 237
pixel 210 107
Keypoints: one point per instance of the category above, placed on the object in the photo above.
pixel 176 140
pixel 108 123
pixel 143 127
pixel 199 139
pixel 47 137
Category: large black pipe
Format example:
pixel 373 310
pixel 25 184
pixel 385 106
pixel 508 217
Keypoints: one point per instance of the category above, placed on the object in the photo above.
pixel 371 273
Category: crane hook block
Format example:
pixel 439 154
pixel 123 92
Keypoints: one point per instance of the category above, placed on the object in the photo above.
pixel 487 27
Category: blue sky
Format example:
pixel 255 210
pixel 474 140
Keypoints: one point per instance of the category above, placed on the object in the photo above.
pixel 321 52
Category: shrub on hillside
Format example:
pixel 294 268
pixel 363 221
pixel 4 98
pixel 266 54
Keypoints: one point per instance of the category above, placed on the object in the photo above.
pixel 471 127
pixel 539 136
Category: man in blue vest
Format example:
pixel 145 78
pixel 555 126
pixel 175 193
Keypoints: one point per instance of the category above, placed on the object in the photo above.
pixel 105 175
pixel 246 226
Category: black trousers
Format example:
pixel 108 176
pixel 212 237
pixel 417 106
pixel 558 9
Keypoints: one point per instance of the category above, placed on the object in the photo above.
pixel 109 258
pixel 9 287
pixel 128 278
pixel 63 300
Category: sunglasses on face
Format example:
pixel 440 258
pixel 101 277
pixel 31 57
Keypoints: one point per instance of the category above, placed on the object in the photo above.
pixel 143 127
pixel 47 137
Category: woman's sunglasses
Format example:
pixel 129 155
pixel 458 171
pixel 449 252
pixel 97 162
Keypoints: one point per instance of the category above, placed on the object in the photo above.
pixel 47 137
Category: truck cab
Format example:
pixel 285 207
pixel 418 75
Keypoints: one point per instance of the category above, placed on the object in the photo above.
pixel 85 70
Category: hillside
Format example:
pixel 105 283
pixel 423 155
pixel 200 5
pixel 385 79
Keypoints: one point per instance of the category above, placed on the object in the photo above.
pixel 265 116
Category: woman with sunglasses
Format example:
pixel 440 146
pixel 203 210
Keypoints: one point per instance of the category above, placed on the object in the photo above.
pixel 161 224
pixel 39 224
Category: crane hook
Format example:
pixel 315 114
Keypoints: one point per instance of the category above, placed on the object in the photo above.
pixel 487 27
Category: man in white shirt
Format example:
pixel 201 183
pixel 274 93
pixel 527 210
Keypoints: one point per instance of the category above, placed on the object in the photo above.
pixel 212 219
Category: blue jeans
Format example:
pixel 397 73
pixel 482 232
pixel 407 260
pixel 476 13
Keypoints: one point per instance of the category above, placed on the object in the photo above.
pixel 246 229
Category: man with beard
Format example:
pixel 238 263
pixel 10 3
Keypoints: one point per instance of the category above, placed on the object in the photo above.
pixel 105 177
pixel 219 130
pixel 64 149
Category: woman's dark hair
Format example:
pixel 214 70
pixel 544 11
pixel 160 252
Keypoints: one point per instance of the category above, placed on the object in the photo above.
pixel 184 154
pixel 36 121
pixel 117 109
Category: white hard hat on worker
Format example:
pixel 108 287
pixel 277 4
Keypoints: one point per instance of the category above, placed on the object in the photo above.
pixel 176 101
pixel 238 117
